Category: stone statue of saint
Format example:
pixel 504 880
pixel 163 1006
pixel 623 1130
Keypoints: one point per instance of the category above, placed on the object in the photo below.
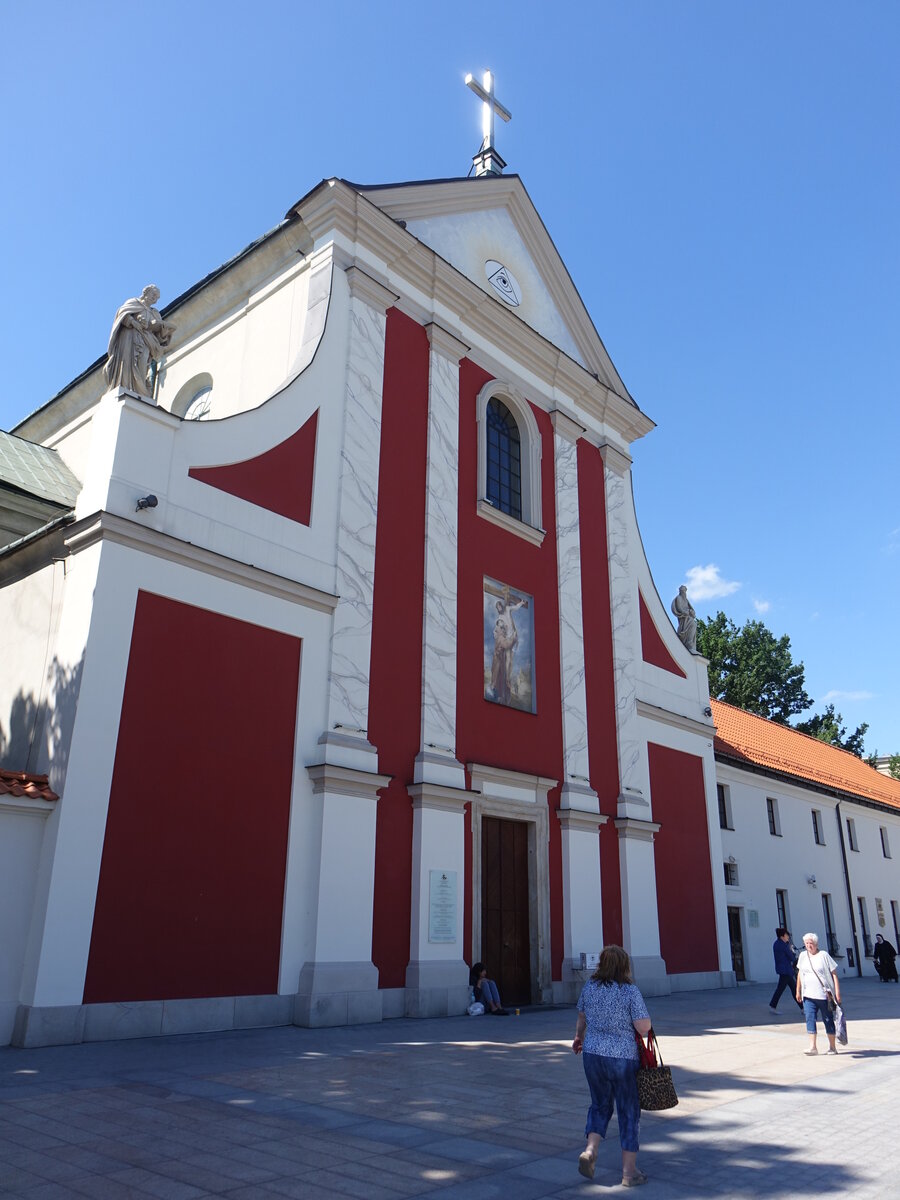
pixel 139 336
pixel 687 620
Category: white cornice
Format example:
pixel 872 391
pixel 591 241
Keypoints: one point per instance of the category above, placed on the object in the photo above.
pixel 28 806
pixel 565 427
pixel 614 459
pixel 641 831
pixel 364 287
pixel 664 715
pixel 445 343
pixel 346 781
pixel 573 818
pixel 437 796
pixel 108 527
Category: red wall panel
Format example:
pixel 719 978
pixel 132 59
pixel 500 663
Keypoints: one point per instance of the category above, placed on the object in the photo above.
pixel 653 648
pixel 599 677
pixel 190 895
pixel 396 670
pixel 279 479
pixel 687 925
pixel 492 733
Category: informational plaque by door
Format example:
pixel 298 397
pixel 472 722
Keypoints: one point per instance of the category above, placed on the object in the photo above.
pixel 442 906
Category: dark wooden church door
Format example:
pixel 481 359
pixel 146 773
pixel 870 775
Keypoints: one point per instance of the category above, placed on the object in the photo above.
pixel 505 933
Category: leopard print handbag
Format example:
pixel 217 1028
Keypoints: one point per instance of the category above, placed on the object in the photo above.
pixel 656 1090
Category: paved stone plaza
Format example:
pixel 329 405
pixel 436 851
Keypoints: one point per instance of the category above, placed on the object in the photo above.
pixel 464 1107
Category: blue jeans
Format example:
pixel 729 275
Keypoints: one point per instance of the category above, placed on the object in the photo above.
pixel 486 992
pixel 612 1080
pixel 811 1008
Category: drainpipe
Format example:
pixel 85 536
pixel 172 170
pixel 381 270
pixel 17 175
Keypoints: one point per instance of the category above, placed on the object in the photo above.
pixel 840 824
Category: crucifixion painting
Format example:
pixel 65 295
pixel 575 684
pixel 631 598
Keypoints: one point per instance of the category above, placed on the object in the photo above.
pixel 508 646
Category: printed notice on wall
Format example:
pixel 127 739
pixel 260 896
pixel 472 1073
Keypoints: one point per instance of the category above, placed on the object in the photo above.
pixel 442 906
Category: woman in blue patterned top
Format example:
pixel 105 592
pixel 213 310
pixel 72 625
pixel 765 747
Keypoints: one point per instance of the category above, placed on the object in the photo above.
pixel 610 1009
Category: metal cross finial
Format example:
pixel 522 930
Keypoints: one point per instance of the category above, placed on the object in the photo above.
pixel 487 161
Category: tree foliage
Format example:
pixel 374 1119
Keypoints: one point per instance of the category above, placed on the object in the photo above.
pixel 752 669
pixel 829 727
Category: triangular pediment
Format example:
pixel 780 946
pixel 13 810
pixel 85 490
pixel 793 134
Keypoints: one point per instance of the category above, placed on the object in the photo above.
pixel 489 230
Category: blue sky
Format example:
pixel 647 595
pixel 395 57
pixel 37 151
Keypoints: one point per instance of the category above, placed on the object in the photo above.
pixel 721 179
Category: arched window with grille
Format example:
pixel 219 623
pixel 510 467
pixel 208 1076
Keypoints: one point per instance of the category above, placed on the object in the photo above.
pixel 504 459
pixel 509 461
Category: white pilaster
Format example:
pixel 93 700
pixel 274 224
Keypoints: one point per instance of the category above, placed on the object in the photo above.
pixel 437 978
pixel 339 984
pixel 345 740
pixel 640 916
pixel 436 761
pixel 634 772
pixel 579 813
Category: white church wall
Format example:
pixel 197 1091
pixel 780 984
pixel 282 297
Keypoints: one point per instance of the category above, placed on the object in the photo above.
pixel 29 615
pixel 62 938
pixel 22 825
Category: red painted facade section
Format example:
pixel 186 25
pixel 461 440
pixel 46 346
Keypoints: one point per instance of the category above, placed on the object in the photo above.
pixel 600 678
pixel 191 888
pixel 395 702
pixel 687 924
pixel 280 479
pixel 653 648
pixel 492 733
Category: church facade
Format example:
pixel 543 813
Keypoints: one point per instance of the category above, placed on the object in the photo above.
pixel 346 665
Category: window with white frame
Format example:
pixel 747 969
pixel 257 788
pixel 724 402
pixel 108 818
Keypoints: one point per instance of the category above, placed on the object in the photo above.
pixel 781 907
pixel 731 874
pixel 194 399
pixel 723 796
pixel 772 816
pixel 509 461
pixel 851 834
pixel 885 844
pixel 818 832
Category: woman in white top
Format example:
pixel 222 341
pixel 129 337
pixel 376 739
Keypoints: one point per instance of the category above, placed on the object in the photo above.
pixel 816 977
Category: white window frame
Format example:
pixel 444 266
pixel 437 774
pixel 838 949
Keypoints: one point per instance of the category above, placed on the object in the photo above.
pixel 852 839
pixel 731 868
pixel 189 392
pixel 725 794
pixel 818 827
pixel 885 842
pixel 530 527
pixel 772 807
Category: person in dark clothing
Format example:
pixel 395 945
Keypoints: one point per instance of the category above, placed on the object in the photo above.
pixel 785 963
pixel 485 990
pixel 885 960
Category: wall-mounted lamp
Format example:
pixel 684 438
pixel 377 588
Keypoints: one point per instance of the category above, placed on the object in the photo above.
pixel 731 858
pixel 707 712
pixel 147 502
pixel 811 880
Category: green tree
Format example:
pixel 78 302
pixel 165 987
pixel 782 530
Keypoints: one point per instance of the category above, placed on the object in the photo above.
pixel 752 669
pixel 893 763
pixel 829 727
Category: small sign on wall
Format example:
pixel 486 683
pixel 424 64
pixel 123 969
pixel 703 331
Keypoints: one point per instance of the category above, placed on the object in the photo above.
pixel 442 926
pixel 753 918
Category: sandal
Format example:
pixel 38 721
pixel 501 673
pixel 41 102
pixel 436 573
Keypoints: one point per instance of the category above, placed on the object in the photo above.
pixel 586 1164
pixel 634 1180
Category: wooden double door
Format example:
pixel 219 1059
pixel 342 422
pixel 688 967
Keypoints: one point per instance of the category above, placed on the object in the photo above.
pixel 506 907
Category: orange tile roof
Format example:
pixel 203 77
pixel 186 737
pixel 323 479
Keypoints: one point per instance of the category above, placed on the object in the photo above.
pixel 745 736
pixel 20 783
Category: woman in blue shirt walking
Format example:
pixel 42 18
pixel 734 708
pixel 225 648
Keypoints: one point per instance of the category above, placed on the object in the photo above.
pixel 610 1009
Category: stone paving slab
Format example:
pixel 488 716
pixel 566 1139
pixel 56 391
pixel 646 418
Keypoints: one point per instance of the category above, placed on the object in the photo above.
pixel 459 1107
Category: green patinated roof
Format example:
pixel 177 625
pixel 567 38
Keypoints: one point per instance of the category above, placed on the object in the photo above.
pixel 37 471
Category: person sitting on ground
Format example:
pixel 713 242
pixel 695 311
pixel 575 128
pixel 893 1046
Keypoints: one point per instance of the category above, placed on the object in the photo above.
pixel 816 977
pixel 885 959
pixel 486 990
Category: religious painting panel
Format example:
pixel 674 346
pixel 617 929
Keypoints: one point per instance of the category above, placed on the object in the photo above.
pixel 508 646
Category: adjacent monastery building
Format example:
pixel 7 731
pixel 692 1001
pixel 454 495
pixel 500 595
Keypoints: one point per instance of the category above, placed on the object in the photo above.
pixel 333 661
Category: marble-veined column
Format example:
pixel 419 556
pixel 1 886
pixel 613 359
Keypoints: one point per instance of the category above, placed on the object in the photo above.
pixel 635 826
pixel 338 981
pixel 579 811
pixel 437 976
